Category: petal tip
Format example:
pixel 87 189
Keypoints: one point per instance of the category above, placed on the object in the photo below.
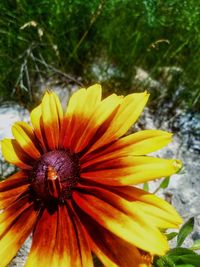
pixel 48 93
pixel 177 164
pixel 146 93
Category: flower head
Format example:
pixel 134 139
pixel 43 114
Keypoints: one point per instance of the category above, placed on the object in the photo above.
pixel 74 190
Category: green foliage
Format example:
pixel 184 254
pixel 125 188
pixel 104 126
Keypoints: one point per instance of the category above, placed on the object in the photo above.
pixel 184 256
pixel 164 184
pixel 196 245
pixel 146 186
pixel 180 256
pixel 171 235
pixel 38 36
pixel 185 230
pixel 164 262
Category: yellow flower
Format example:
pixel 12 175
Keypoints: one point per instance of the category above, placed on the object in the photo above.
pixel 75 190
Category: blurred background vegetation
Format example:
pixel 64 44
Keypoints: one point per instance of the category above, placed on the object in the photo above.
pixel 124 44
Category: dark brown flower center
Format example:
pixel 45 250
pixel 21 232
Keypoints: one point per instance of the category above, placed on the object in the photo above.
pixel 55 175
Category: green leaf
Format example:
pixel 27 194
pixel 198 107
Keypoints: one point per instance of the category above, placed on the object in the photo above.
pixel 180 252
pixel 184 256
pixel 185 265
pixel 185 230
pixel 189 259
pixel 192 259
pixel 196 245
pixel 165 183
pixel 146 187
pixel 171 235
pixel 163 261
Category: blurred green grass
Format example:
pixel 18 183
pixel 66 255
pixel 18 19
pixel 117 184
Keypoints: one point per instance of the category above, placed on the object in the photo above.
pixel 41 36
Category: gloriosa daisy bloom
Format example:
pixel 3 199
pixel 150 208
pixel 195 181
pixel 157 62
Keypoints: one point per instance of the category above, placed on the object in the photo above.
pixel 75 190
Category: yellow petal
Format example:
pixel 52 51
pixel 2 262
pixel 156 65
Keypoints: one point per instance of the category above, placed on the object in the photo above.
pixel 72 116
pixel 139 143
pixel 17 179
pixel 150 168
pixel 99 121
pixel 76 102
pixel 11 213
pixel 13 154
pixel 93 97
pixel 8 197
pixel 127 114
pixel 25 137
pixel 55 229
pixel 150 201
pixel 83 116
pixel 17 234
pixel 83 244
pixel 110 249
pixel 36 120
pixel 154 215
pixel 12 187
pixel 107 262
pixel 44 238
pixel 131 170
pixel 120 224
pixel 145 142
pixel 158 217
pixel 51 117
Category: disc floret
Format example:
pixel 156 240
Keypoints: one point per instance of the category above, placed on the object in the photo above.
pixel 54 175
